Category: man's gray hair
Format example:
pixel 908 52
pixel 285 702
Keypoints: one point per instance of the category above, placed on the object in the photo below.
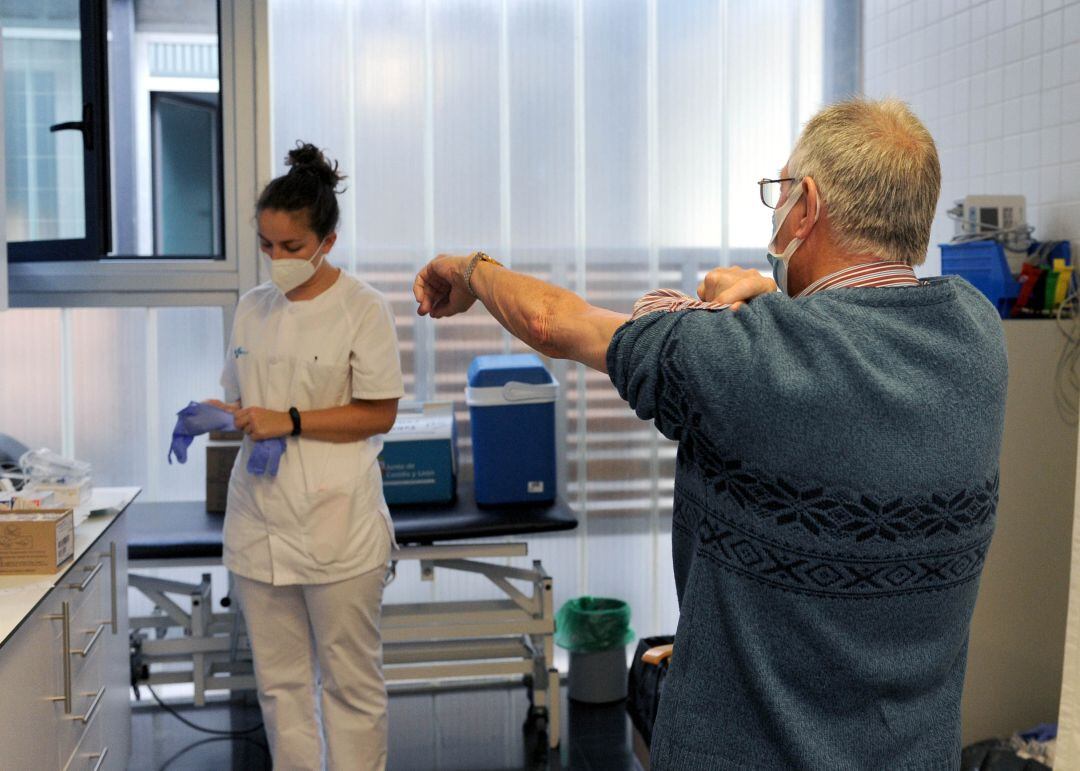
pixel 877 170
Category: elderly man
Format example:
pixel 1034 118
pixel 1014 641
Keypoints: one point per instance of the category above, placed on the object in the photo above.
pixel 837 470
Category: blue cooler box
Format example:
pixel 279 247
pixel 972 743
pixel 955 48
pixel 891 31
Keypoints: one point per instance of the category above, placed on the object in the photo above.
pixel 512 411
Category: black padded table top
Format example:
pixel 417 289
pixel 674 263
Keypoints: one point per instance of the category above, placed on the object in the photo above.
pixel 184 529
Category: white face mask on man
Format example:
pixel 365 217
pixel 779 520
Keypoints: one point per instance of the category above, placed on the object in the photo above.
pixel 780 262
pixel 289 273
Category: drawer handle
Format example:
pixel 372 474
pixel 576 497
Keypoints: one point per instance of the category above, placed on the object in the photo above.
pixel 111 556
pixel 100 758
pixel 92 709
pixel 65 616
pixel 112 571
pixel 86 581
pixel 84 652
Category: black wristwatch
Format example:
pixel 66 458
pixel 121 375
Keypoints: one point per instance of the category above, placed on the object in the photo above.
pixel 295 415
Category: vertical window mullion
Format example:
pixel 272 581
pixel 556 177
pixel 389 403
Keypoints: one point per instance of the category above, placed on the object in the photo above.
pixel 505 232
pixel 94 25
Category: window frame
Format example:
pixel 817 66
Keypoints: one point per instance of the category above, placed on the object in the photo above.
pixel 97 233
pixel 97 201
pixel 157 99
pixel 246 164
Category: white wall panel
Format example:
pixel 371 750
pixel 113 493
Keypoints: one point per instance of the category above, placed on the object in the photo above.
pixel 185 361
pixel 312 86
pixel 108 362
pixel 999 89
pixel 30 391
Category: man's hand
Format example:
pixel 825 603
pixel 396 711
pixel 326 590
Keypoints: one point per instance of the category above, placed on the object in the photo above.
pixel 440 288
pixel 259 423
pixel 734 285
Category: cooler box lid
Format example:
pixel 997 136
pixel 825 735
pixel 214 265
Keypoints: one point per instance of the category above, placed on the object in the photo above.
pixel 519 378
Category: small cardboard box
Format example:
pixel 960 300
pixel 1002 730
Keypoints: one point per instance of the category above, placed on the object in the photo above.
pixel 28 499
pixel 419 456
pixel 70 492
pixel 36 542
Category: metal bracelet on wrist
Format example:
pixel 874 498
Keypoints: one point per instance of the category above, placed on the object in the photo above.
pixel 477 257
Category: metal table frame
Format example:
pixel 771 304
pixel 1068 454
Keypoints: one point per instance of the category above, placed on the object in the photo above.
pixel 431 644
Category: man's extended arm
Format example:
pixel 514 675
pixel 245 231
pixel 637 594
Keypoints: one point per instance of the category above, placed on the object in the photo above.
pixel 552 320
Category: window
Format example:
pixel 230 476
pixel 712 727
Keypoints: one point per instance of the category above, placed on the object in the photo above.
pixel 94 129
pixel 55 129
pixel 187 211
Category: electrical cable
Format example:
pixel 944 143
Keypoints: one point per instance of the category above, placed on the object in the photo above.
pixel 185 721
pixel 1017 238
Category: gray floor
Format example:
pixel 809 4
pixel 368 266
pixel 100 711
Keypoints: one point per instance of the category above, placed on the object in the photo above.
pixel 469 729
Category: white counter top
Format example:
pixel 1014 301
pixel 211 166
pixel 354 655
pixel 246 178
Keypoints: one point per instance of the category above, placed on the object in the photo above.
pixel 19 595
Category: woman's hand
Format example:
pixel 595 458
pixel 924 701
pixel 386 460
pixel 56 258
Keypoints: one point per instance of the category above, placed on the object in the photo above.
pixel 227 406
pixel 734 285
pixel 259 423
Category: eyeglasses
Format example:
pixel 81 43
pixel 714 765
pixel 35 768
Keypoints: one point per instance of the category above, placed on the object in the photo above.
pixel 770 190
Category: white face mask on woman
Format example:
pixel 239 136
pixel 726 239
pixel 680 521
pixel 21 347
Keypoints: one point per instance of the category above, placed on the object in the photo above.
pixel 289 273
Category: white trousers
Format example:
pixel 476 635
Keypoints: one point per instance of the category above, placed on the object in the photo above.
pixel 319 641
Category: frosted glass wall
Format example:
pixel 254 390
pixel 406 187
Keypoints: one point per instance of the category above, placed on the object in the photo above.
pixel 612 146
pixel 104 385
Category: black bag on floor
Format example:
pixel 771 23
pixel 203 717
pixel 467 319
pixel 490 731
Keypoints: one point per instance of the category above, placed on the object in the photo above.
pixel 646 683
pixel 996 755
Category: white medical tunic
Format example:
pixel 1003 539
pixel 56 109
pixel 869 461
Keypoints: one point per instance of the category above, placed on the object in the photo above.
pixel 323 518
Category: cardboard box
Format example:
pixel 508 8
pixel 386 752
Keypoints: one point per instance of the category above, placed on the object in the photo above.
pixel 419 455
pixel 219 461
pixel 73 493
pixel 28 499
pixel 217 496
pixel 36 542
pixel 221 454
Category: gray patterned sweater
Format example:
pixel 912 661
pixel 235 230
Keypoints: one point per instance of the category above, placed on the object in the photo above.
pixel 835 495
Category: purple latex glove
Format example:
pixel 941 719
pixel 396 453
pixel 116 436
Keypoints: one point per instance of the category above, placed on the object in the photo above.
pixel 265 456
pixel 197 418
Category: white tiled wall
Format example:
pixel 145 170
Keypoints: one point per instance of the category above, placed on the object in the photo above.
pixel 997 82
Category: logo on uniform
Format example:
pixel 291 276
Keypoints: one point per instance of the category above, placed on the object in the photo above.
pixel 239 351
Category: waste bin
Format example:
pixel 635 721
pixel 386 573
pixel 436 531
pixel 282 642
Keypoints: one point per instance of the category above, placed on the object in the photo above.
pixel 595 630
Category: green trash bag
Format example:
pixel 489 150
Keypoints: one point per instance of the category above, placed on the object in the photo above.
pixel 591 624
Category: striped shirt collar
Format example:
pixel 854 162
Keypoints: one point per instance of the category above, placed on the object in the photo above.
pixel 867 274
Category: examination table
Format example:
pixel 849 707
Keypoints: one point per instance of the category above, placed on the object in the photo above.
pixel 428 644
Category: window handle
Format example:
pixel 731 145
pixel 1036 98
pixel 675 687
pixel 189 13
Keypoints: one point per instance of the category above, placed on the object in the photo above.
pixel 86 126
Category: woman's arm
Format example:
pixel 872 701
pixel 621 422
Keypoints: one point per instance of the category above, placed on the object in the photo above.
pixel 360 419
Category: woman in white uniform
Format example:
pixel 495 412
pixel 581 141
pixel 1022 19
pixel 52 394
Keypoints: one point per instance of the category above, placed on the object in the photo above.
pixel 314 359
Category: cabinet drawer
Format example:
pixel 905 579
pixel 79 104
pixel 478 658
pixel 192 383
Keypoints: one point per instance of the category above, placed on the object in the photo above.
pixel 80 639
pixel 88 579
pixel 87 699
pixel 79 650
pixel 92 751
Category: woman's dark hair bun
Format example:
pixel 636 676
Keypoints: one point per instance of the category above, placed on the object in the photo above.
pixel 306 158
pixel 310 186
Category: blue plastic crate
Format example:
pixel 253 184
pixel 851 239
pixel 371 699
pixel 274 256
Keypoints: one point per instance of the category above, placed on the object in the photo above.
pixel 983 264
